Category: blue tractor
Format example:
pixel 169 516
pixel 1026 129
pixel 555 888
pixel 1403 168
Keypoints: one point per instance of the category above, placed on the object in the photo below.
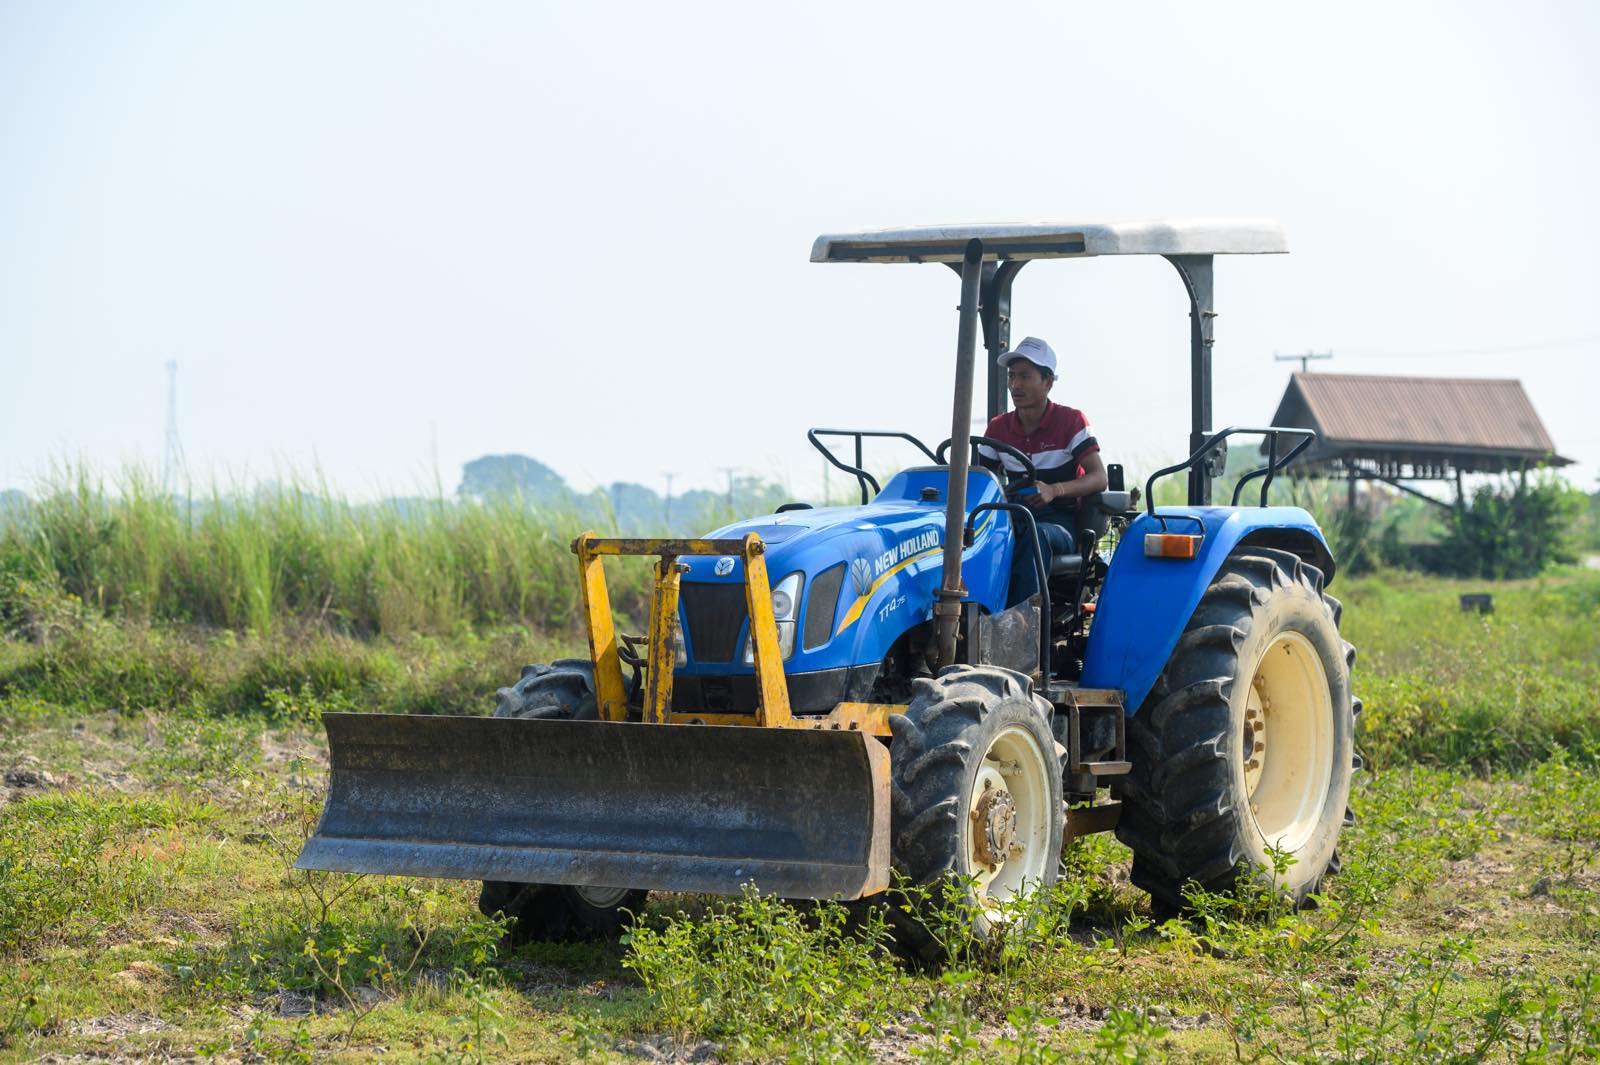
pixel 830 700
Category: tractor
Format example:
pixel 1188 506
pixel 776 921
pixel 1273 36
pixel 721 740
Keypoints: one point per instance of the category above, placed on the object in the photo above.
pixel 833 700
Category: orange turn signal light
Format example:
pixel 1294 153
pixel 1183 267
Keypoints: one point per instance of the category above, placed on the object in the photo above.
pixel 1171 545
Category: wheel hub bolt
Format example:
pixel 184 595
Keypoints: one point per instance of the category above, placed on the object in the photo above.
pixel 994 826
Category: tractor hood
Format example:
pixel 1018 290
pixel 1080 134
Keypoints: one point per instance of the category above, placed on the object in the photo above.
pixel 855 578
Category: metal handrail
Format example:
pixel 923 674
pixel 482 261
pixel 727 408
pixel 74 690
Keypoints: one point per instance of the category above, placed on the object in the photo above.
pixel 1274 464
pixel 1272 467
pixel 861 475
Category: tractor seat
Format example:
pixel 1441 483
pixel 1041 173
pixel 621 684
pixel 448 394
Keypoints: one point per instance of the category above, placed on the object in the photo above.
pixel 1065 566
pixel 1094 514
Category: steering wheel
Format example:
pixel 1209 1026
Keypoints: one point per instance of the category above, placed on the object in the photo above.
pixel 1029 475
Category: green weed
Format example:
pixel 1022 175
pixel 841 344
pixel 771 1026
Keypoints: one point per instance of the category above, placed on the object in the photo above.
pixel 480 1021
pixel 1446 687
pixel 1562 804
pixel 329 934
pixel 1423 1006
pixel 762 973
pixel 74 864
pixel 20 1008
pixel 194 748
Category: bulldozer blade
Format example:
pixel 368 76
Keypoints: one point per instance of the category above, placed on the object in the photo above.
pixel 801 813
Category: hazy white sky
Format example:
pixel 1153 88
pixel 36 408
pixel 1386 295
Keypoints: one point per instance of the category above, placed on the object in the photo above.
pixel 579 231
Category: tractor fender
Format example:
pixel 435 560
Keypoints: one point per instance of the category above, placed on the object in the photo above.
pixel 1146 602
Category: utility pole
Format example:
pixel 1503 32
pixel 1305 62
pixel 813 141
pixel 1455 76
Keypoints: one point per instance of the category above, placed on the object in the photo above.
pixel 1304 360
pixel 729 470
pixel 669 477
pixel 172 450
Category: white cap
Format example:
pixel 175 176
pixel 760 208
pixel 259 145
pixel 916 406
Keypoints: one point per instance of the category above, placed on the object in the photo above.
pixel 1035 351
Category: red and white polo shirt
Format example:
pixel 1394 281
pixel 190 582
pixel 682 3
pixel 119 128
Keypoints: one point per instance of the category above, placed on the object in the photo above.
pixel 1057 447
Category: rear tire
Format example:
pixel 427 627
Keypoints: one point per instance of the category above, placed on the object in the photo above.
pixel 562 690
pixel 977 800
pixel 1246 740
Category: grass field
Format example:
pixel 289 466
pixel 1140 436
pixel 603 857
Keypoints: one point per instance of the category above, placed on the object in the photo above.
pixel 162 770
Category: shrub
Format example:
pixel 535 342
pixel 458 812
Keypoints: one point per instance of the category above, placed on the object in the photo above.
pixel 762 972
pixel 1513 530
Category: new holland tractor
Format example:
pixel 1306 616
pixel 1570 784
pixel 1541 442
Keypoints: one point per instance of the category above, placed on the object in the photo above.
pixel 828 698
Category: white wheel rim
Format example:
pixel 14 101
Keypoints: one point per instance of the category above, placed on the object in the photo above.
pixel 1287 742
pixel 601 898
pixel 1014 763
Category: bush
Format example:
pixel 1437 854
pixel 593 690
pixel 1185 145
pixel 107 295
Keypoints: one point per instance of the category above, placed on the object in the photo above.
pixel 1586 530
pixel 761 972
pixel 1513 530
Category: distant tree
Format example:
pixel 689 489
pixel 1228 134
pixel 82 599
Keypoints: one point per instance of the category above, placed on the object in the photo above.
pixel 498 475
pixel 636 508
pixel 641 510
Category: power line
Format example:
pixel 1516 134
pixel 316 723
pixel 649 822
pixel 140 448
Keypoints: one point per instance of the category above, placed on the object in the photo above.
pixel 1500 349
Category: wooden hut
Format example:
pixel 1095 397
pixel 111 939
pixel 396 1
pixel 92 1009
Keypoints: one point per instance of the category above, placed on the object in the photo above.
pixel 1398 429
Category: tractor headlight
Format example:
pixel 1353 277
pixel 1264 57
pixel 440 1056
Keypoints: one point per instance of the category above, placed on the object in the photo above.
pixel 785 597
pixel 785 607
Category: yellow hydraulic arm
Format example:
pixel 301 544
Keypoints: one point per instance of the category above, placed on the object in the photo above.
pixel 772 691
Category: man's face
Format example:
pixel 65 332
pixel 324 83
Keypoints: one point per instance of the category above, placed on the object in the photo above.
pixel 1029 385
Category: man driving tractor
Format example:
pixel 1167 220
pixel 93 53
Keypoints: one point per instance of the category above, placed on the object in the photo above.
pixel 1061 444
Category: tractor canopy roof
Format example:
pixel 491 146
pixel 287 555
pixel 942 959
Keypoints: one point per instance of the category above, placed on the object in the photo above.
pixel 1054 240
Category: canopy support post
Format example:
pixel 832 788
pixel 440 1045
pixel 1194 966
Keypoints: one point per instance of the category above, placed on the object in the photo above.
pixel 1197 280
pixel 994 315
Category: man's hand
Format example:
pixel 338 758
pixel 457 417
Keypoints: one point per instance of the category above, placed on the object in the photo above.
pixel 1093 480
pixel 1047 493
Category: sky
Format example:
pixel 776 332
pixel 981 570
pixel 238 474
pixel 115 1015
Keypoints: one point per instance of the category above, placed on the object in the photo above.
pixel 382 239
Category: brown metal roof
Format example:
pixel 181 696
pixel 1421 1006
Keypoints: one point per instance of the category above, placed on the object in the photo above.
pixel 1435 414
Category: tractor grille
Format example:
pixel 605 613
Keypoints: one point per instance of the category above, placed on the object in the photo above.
pixel 714 614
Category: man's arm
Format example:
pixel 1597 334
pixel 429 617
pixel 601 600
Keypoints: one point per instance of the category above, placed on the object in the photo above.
pixel 1093 480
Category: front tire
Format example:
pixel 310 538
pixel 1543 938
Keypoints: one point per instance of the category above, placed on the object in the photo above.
pixel 977 802
pixel 563 690
pixel 1243 751
pixel 556 912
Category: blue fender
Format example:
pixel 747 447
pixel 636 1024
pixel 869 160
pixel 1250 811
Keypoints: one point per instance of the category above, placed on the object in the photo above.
pixel 1146 602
